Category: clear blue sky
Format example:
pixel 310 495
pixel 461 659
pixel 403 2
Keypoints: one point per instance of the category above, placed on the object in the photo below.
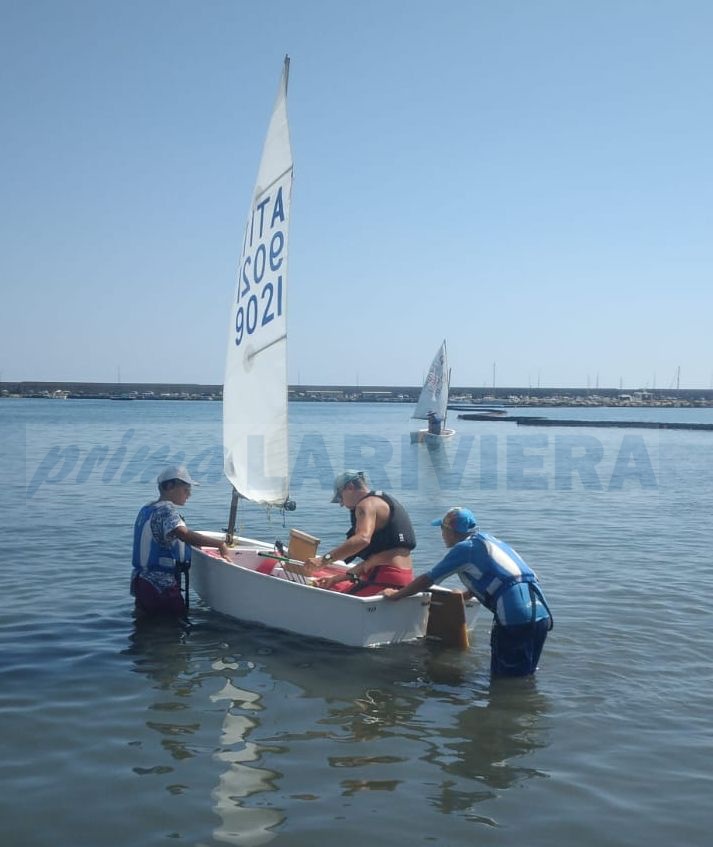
pixel 531 180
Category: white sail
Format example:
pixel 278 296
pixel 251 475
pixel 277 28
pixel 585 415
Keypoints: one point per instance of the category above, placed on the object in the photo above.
pixel 255 384
pixel 434 394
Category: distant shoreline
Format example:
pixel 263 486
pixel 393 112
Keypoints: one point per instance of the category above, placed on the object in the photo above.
pixel 462 396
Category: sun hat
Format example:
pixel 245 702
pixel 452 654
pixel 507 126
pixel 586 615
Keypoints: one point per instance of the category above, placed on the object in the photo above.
pixel 458 519
pixel 179 472
pixel 342 480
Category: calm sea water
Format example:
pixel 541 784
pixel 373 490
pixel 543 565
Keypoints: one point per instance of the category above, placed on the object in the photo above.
pixel 222 733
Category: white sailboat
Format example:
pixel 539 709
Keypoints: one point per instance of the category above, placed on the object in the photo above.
pixel 433 402
pixel 255 437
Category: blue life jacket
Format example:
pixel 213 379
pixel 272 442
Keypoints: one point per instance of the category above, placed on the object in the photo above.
pixel 496 568
pixel 153 553
pixel 490 569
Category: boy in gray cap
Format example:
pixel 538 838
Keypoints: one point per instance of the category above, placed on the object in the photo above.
pixel 162 541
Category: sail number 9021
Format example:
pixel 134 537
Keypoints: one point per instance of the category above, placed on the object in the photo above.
pixel 260 301
pixel 252 314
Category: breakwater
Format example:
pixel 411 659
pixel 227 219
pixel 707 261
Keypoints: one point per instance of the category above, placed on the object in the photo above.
pixel 462 399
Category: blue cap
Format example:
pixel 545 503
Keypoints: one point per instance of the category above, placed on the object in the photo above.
pixel 458 519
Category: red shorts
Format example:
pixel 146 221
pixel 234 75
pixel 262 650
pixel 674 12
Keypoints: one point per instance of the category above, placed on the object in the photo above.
pixel 378 578
pixel 151 601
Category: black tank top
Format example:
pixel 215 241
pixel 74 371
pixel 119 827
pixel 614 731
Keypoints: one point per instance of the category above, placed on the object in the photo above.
pixel 397 531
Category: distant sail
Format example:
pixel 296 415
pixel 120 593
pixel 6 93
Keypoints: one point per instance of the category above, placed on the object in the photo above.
pixel 434 394
pixel 255 385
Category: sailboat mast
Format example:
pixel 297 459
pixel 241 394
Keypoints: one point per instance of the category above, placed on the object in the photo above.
pixel 232 519
pixel 448 391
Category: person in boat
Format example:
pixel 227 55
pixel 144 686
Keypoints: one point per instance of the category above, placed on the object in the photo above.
pixel 435 423
pixel 502 581
pixel 381 535
pixel 161 546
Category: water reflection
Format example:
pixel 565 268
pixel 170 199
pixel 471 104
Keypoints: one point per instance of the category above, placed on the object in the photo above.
pixel 159 651
pixel 162 650
pixel 241 824
pixel 486 748
pixel 411 713
pixel 294 726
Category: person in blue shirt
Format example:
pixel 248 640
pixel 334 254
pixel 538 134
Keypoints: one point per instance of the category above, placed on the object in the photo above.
pixel 502 581
pixel 435 423
pixel 162 542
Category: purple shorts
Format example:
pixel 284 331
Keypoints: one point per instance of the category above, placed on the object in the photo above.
pixel 151 601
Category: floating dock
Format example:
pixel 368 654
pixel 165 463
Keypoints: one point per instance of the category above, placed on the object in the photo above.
pixel 535 420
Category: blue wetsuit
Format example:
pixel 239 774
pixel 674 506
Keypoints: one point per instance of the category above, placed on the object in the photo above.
pixel 503 582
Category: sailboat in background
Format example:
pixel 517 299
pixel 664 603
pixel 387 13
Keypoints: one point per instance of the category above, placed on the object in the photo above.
pixel 432 403
pixel 260 583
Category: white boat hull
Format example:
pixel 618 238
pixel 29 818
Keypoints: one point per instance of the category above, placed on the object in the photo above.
pixel 423 436
pixel 236 589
